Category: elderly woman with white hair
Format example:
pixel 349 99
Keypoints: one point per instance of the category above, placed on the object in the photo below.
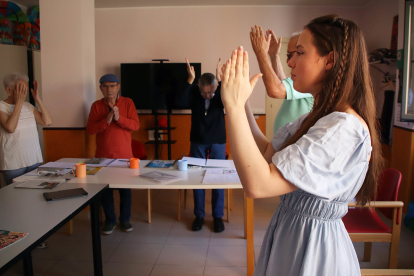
pixel 19 140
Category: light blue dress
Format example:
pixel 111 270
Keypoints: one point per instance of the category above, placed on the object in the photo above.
pixel 306 235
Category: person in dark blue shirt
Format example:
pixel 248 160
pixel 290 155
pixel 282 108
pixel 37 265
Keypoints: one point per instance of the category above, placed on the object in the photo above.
pixel 207 137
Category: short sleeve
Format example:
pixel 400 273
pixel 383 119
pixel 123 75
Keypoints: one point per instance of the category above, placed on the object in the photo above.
pixel 285 132
pixel 291 93
pixel 3 107
pixel 329 159
pixel 29 106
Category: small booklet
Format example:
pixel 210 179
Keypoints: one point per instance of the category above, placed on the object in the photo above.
pixel 161 164
pixel 160 177
pixel 92 170
pixel 219 176
pixel 9 237
pixel 39 184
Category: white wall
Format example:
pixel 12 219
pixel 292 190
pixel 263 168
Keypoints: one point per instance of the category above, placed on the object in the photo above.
pixel 202 34
pixel 68 60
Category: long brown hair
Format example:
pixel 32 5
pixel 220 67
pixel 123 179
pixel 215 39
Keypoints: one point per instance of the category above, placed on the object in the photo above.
pixel 348 83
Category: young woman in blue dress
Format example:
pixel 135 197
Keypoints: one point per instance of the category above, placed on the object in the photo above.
pixel 318 163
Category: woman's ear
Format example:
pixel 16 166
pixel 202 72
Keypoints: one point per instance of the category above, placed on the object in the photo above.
pixel 9 91
pixel 330 61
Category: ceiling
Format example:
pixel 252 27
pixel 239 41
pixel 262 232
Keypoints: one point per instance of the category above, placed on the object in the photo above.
pixel 160 3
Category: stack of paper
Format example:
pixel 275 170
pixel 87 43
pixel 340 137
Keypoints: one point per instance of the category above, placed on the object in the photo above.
pixel 219 176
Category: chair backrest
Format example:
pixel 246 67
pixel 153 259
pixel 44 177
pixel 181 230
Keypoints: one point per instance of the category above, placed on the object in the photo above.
pixel 138 150
pixel 388 185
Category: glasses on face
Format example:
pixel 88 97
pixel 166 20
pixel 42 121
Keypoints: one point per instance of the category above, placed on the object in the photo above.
pixel 106 87
pixel 290 55
pixel 207 93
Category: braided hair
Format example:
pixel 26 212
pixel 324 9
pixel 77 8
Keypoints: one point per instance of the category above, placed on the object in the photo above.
pixel 348 83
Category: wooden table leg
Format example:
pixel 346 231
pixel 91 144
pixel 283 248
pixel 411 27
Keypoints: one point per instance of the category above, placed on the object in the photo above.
pixel 69 228
pixel 185 198
pixel 231 199
pixel 179 205
pixel 149 205
pixel 228 205
pixel 249 233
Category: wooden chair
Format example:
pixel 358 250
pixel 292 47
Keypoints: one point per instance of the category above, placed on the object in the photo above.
pixel 138 151
pixel 364 225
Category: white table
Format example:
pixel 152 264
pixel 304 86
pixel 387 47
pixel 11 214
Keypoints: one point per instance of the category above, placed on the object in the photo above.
pixel 26 210
pixel 124 177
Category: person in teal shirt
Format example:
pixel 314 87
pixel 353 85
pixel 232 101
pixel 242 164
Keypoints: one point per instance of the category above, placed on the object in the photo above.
pixel 267 48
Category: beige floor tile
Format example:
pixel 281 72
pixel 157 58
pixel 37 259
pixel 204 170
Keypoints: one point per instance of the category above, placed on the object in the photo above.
pixel 123 269
pixel 174 254
pixel 228 237
pixel 71 268
pixel 226 256
pixel 84 252
pixel 201 237
pixel 147 234
pixel 55 250
pixel 136 253
pixel 177 270
pixel 40 267
pixel 225 271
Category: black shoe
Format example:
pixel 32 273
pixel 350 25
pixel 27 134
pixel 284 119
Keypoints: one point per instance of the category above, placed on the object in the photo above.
pixel 218 225
pixel 197 224
pixel 126 227
pixel 108 229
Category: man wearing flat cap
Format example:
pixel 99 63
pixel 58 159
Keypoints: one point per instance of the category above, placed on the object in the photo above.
pixel 112 119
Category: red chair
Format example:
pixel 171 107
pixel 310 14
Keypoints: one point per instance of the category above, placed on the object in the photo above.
pixel 138 151
pixel 364 225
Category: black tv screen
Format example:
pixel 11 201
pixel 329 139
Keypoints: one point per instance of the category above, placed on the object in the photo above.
pixel 155 85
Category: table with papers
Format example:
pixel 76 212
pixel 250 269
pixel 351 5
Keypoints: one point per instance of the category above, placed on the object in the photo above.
pixel 122 176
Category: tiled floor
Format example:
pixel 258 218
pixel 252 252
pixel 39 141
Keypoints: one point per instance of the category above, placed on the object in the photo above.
pixel 169 247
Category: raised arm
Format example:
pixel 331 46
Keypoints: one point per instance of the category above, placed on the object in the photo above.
pixel 261 43
pixel 259 179
pixel 184 96
pixel 42 117
pixel 274 54
pixel 9 123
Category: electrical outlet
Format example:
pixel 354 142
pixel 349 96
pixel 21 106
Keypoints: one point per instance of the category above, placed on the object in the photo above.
pixel 151 135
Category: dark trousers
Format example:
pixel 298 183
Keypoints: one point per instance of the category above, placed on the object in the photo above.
pixel 9 175
pixel 107 201
pixel 215 151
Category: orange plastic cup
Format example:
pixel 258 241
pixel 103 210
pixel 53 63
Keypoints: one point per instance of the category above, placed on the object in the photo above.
pixel 133 163
pixel 80 170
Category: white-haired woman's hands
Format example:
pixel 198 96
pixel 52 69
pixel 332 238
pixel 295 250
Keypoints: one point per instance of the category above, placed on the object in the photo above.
pixel 35 91
pixel 20 92
pixel 236 87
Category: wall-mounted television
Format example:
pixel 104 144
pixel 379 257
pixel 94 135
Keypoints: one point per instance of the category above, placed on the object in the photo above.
pixel 155 85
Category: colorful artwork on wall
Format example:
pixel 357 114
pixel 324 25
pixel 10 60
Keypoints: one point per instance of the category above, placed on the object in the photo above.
pixel 6 36
pixel 14 19
pixel 34 18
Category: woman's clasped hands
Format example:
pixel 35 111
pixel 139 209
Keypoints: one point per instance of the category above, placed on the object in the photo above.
pixel 236 87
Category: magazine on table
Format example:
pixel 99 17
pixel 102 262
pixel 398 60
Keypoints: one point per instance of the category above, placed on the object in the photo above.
pixel 8 237
pixel 161 164
pixel 160 177
pixel 40 184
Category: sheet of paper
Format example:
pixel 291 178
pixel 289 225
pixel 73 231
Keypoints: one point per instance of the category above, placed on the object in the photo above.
pixel 103 164
pixel 119 163
pixel 218 163
pixel 58 165
pixel 195 161
pixel 221 171
pixel 221 178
